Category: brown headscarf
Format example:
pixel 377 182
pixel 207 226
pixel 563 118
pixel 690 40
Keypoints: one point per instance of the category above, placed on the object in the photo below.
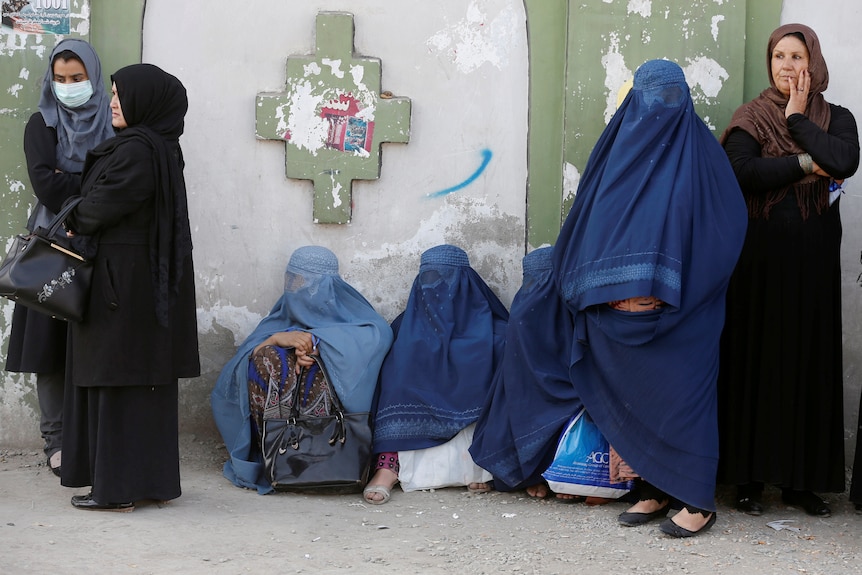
pixel 764 119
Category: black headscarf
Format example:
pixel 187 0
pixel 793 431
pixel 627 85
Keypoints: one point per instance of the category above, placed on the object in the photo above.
pixel 154 105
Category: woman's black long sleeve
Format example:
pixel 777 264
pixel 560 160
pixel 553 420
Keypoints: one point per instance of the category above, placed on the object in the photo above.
pixel 51 187
pixel 836 151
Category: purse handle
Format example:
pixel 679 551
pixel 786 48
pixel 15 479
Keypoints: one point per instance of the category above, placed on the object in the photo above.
pixel 61 216
pixel 339 434
pixel 297 389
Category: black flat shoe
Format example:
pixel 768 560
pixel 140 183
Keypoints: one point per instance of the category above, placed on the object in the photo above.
pixel 668 527
pixel 87 502
pixel 812 504
pixel 54 470
pixel 633 519
pixel 750 506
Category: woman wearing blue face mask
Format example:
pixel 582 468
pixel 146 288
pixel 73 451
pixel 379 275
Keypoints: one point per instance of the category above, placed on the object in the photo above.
pixel 74 115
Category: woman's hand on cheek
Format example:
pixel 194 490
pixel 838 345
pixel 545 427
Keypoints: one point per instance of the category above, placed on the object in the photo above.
pixel 798 101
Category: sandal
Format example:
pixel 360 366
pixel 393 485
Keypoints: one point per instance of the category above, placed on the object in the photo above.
pixel 381 489
pixel 387 482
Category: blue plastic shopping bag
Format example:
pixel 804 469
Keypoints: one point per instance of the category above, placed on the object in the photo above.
pixel 581 464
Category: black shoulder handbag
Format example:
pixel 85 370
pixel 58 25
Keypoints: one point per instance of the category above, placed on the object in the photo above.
pixel 44 275
pixel 307 453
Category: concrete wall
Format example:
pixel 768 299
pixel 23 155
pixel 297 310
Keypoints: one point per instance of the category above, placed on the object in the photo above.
pixel 464 66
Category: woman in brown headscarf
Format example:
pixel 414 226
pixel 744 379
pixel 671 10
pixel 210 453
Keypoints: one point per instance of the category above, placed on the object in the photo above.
pixel 780 377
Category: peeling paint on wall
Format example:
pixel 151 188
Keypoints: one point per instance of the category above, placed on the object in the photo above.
pixel 616 74
pixel 706 74
pixel 478 39
pixel 715 22
pixel 240 321
pixel 640 7
pixel 571 181
pixel 474 224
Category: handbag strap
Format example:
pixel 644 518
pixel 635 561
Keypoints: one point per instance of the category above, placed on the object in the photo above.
pixel 61 216
pixel 337 407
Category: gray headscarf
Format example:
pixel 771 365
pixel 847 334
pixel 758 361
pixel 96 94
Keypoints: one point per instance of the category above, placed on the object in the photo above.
pixel 82 128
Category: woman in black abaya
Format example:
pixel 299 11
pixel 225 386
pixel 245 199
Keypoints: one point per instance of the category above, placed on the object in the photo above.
pixel 781 375
pixel 139 334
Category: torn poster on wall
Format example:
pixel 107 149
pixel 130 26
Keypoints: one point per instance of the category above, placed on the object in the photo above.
pixel 37 16
pixel 348 131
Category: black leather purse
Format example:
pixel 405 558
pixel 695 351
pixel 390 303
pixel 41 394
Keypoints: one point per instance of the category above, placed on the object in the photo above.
pixel 44 272
pixel 308 453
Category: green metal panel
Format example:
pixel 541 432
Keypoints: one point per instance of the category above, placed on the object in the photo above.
pixel 116 32
pixel 762 17
pixel 546 31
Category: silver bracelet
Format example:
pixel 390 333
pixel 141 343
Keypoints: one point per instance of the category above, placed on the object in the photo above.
pixel 805 162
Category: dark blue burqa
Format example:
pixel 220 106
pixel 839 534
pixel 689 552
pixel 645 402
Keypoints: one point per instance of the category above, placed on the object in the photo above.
pixel 532 397
pixel 448 342
pixel 658 212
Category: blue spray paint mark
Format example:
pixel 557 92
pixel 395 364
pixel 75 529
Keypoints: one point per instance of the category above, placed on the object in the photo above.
pixel 486 159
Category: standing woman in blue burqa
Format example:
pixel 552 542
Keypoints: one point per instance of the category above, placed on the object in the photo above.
pixel 73 117
pixel 433 384
pixel 532 398
pixel 658 222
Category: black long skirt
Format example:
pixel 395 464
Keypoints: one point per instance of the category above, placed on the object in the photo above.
pixel 780 377
pixel 122 441
pixel 856 482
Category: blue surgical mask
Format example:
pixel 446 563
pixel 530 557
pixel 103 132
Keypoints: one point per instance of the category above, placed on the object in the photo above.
pixel 73 95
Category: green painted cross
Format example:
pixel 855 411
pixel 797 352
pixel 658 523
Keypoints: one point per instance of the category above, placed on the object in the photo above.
pixel 333 118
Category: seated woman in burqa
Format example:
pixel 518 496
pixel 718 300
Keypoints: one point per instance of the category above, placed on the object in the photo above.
pixel 532 398
pixel 643 262
pixel 318 314
pixel 433 384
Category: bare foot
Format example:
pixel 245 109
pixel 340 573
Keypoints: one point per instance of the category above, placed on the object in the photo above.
pixel 691 521
pixel 480 487
pixel 384 480
pixel 593 501
pixel 568 497
pixel 538 491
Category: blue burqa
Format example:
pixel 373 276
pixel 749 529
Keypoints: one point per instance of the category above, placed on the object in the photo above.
pixel 658 212
pixel 353 339
pixel 532 397
pixel 448 342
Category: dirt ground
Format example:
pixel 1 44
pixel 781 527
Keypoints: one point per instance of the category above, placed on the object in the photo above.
pixel 218 528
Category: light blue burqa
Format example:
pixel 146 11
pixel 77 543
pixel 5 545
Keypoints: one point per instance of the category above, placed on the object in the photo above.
pixel 353 341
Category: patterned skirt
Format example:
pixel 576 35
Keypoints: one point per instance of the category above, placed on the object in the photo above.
pixel 272 387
